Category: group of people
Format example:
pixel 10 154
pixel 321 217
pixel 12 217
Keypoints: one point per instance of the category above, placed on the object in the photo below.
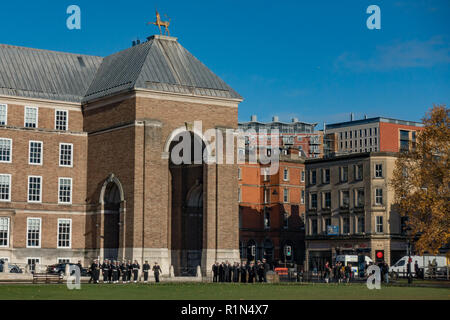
pixel 343 273
pixel 249 272
pixel 113 271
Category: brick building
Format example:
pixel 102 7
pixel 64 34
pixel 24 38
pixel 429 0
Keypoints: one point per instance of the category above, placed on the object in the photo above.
pixel 271 211
pixel 85 166
pixel 370 135
pixel 349 208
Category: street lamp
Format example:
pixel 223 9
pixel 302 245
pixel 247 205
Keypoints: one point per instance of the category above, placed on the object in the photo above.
pixel 408 235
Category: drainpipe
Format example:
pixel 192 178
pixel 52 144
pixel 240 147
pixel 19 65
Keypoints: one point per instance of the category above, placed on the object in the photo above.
pixel 143 193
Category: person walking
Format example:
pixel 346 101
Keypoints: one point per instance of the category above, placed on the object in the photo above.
pixel 327 272
pixel 124 271
pixel 156 271
pixel 146 269
pixel 136 268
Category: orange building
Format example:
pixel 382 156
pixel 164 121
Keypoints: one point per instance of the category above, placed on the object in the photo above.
pixel 271 211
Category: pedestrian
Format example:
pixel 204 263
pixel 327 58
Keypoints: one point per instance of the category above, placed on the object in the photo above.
pixel 266 267
pixel 260 271
pixel 221 272
pixel 385 272
pixel 156 271
pixel 225 272
pixel 215 271
pixel 251 272
pixel 115 272
pixel 124 271
pixel 230 272
pixel 129 270
pixel 327 272
pixel 105 269
pixel 146 269
pixel 243 272
pixel 136 268
pixel 236 272
pixel 416 269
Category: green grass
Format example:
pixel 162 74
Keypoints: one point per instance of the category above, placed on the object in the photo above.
pixel 205 291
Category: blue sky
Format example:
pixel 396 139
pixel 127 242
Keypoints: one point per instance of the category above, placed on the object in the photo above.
pixel 315 60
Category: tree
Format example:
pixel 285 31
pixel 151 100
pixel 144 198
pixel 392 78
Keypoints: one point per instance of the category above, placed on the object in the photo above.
pixel 421 181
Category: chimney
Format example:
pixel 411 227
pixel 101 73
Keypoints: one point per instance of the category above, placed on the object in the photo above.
pixel 133 43
pixel 294 120
pixel 275 119
pixel 351 116
pixel 253 118
pixel 365 116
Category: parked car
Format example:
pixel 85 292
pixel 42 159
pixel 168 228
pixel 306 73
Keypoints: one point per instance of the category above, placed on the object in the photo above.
pixel 60 268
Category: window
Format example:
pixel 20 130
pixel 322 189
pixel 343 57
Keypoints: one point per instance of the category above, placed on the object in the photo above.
pixel 327 223
pixel 35 153
pixel 327 200
pixel 326 176
pixel 5 150
pixel 5 187
pixel 3 114
pixel 379 196
pixel 345 199
pixel 344 174
pixel 313 177
pixel 33 232
pixel 266 219
pixel 63 260
pixel 65 190
pixel 286 195
pixel 361 224
pixel 375 131
pixel 4 232
pixel 346 225
pixel 239 195
pixel 239 169
pixel 379 224
pixel 31 117
pixel 302 197
pixel 379 170
pixel 358 172
pixel 359 200
pixel 34 189
pixel 285 174
pixel 302 179
pixel 313 203
pixel 404 140
pixel 285 220
pixel 314 226
pixel 32 263
pixel 61 120
pixel 266 174
pixel 64 233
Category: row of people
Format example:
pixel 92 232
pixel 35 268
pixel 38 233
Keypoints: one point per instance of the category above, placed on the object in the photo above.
pixel 113 271
pixel 244 273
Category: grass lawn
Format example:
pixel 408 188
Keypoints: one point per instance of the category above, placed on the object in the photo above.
pixel 205 291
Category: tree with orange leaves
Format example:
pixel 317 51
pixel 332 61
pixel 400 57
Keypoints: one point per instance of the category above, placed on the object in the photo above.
pixel 421 181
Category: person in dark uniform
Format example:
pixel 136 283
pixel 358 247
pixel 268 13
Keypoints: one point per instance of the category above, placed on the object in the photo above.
pixel 230 272
pixel 79 266
pixel 251 272
pixel 266 269
pixel 260 271
pixel 215 271
pixel 92 271
pixel 225 272
pixel 95 269
pixel 146 269
pixel 243 272
pixel 129 270
pixel 156 271
pixel 236 272
pixel 105 271
pixel 136 268
pixel 124 271
pixel 115 272
pixel 221 272
pixel 110 274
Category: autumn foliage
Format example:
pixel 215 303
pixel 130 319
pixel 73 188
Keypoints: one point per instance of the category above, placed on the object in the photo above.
pixel 421 182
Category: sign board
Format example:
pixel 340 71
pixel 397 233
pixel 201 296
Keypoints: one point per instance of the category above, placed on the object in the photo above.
pixel 332 230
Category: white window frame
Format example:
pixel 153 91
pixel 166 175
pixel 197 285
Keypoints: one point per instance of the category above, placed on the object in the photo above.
pixel 378 224
pixel 71 155
pixel 285 174
pixel 25 116
pixel 375 170
pixel 40 232
pixel 10 184
pixel 239 194
pixel 67 119
pixel 376 197
pixel 8 230
pixel 29 153
pixel 10 151
pixel 70 234
pixel 6 113
pixel 34 258
pixel 286 195
pixel 40 190
pixel 302 176
pixel 302 196
pixel 239 169
pixel 71 189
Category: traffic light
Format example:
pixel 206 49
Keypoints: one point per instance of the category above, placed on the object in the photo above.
pixel 287 251
pixel 379 255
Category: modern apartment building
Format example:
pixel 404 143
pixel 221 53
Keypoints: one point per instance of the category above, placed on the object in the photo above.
pixel 271 211
pixel 370 135
pixel 349 208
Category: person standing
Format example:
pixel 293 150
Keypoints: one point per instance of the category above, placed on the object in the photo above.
pixel 110 275
pixel 243 272
pixel 266 266
pixel 225 272
pixel 115 272
pixel 156 271
pixel 146 269
pixel 124 271
pixel 129 270
pixel 327 272
pixel 105 271
pixel 215 271
pixel 95 271
pixel 136 268
pixel 385 272
pixel 221 272
pixel 230 272
pixel 251 272
pixel 416 269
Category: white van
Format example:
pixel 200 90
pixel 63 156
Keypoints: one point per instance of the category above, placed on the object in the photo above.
pixel 400 267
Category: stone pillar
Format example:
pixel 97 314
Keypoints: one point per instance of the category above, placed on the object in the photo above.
pixel 199 272
pixel 67 271
pixel 5 267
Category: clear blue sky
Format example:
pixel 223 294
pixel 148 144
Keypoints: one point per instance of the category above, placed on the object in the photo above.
pixel 315 60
